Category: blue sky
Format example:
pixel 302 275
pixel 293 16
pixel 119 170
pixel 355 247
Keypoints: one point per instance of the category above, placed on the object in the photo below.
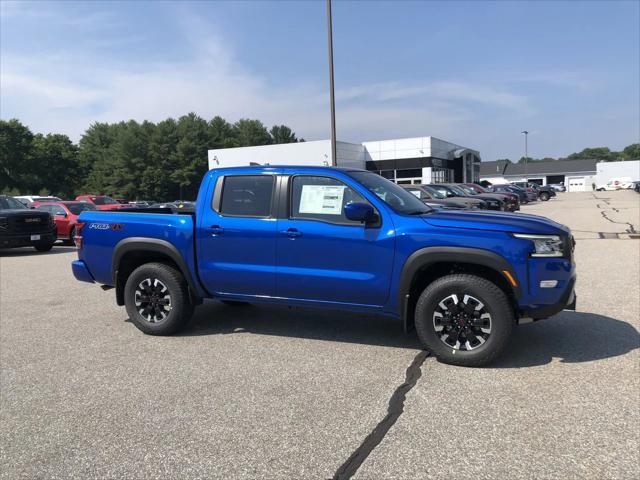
pixel 476 73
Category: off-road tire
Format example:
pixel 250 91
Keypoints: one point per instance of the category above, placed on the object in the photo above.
pixel 496 302
pixel 43 246
pixel 181 308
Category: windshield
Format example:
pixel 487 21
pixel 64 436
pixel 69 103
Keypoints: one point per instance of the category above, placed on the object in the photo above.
pixel 104 201
pixel 457 190
pixel 468 189
pixel 396 197
pixel 435 193
pixel 7 203
pixel 446 192
pixel 78 208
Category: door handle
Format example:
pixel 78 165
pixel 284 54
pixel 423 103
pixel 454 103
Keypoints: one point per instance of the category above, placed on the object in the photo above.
pixel 215 230
pixel 292 233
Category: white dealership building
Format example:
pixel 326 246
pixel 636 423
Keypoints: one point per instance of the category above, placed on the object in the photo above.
pixel 404 160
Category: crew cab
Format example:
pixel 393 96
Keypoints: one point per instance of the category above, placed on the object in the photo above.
pixel 102 202
pixel 23 227
pixel 337 238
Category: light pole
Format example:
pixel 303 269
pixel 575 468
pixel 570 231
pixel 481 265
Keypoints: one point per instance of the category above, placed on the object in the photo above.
pixel 526 152
pixel 332 101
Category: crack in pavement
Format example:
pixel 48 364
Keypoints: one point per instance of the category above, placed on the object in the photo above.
pixel 394 410
pixel 603 212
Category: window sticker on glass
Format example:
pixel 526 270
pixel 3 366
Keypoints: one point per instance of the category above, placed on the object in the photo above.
pixel 322 199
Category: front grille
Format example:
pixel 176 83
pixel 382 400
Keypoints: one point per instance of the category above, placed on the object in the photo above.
pixel 25 224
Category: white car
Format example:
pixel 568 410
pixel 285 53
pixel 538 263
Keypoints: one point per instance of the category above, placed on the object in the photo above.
pixel 27 199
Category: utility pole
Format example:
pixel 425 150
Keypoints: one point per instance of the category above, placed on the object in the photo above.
pixel 526 153
pixel 332 101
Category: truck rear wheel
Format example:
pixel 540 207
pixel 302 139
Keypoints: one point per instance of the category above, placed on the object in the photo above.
pixel 464 320
pixel 156 297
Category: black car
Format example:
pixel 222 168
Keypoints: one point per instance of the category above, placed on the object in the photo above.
pixel 23 227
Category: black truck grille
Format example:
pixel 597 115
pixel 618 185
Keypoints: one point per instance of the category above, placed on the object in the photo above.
pixel 28 224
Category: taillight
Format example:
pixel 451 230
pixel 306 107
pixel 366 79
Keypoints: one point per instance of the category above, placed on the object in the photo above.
pixel 78 238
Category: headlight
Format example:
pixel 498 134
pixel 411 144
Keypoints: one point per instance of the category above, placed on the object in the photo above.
pixel 545 245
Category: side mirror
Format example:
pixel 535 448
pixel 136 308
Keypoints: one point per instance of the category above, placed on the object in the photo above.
pixel 360 212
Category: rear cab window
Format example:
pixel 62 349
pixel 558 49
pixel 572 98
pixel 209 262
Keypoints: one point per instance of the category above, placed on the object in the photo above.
pixel 245 195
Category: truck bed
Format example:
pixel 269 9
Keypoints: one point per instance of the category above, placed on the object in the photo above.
pixel 104 231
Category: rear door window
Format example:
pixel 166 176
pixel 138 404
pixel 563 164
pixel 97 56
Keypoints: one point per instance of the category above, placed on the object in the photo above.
pixel 247 195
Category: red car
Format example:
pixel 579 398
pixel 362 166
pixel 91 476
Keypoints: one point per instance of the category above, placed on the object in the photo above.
pixel 513 201
pixel 65 215
pixel 101 202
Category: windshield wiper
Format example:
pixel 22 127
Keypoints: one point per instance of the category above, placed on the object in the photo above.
pixel 419 212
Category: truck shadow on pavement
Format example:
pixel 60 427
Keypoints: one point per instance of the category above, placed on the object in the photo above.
pixel 215 318
pixel 571 337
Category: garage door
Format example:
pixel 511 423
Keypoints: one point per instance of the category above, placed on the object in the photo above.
pixel 575 184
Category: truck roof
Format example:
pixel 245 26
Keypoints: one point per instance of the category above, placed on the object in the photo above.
pixel 306 168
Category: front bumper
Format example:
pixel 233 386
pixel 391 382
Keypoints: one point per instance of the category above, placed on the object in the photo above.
pixel 567 301
pixel 24 239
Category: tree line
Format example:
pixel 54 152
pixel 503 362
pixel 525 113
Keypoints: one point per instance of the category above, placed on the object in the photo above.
pixel 159 161
pixel 601 154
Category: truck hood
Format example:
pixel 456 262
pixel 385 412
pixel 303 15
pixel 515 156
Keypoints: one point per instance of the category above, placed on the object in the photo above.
pixel 495 221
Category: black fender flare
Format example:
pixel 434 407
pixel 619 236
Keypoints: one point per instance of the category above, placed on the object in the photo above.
pixel 425 257
pixel 146 245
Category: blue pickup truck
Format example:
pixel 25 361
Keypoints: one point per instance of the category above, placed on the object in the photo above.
pixel 336 238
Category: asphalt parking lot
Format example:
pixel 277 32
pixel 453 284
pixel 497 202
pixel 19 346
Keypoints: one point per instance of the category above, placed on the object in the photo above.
pixel 269 392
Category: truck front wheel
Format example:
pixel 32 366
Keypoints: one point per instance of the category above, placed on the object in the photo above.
pixel 464 320
pixel 156 297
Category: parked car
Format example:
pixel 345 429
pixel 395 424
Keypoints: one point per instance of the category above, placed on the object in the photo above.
pixel 522 194
pixel 101 202
pixel 65 215
pixel 336 238
pixel 432 198
pixel 544 192
pixel 491 203
pixel 141 203
pixel 558 187
pixel 512 201
pixel 503 204
pixel 27 200
pixel 449 195
pixel 23 227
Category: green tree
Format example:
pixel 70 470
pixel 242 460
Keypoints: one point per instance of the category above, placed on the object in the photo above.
pixel 282 134
pixel 631 152
pixel 56 158
pixel 598 153
pixel 15 155
pixel 251 132
pixel 190 159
